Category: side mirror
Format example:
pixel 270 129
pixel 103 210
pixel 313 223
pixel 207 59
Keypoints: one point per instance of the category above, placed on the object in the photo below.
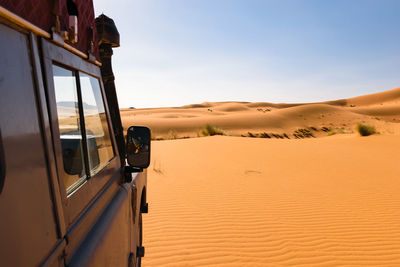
pixel 138 146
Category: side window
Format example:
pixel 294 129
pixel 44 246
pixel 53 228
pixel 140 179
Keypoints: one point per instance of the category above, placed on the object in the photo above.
pixel 84 133
pixel 97 132
pixel 69 122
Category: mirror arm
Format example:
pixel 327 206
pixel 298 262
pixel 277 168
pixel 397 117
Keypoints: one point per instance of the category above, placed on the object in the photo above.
pixel 129 170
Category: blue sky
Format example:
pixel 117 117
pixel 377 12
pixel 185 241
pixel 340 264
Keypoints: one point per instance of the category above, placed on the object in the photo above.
pixel 177 52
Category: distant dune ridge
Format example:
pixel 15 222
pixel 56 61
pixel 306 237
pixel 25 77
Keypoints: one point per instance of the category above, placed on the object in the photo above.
pixel 239 118
pixel 229 201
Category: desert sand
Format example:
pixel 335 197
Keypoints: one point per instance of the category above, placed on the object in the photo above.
pixel 236 201
pixel 239 118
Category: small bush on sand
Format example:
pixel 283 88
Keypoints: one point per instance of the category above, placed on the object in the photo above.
pixel 365 130
pixel 303 133
pixel 265 135
pixel 210 130
pixel 336 131
pixel 172 134
pixel 250 134
pixel 330 133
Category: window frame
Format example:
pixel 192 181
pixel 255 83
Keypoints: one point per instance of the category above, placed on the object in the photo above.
pixel 75 203
pixel 81 127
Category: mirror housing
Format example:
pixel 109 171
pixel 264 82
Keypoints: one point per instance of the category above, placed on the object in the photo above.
pixel 138 139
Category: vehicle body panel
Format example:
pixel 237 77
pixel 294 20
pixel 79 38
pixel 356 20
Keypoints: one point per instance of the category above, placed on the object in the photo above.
pixel 26 201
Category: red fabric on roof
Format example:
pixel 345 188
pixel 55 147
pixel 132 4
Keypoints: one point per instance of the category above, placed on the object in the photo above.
pixel 39 13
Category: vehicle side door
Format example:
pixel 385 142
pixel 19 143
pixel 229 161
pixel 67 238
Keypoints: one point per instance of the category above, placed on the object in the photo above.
pixel 96 202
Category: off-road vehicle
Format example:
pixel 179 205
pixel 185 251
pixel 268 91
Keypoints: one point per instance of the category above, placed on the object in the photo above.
pixel 72 187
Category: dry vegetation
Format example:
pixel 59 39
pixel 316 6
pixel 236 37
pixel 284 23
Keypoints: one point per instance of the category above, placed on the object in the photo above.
pixel 365 130
pixel 210 130
pixel 269 120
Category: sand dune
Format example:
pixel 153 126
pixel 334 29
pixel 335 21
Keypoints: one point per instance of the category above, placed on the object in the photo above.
pixel 332 200
pixel 381 110
pixel 232 201
pixel 231 107
pixel 389 96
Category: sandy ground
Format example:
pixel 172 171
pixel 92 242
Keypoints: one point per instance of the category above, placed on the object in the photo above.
pixel 233 201
pixel 229 200
pixel 239 118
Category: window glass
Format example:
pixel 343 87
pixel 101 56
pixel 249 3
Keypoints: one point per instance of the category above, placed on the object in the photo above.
pixel 69 126
pixel 97 132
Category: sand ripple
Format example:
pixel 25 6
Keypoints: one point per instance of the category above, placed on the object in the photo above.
pixel 319 202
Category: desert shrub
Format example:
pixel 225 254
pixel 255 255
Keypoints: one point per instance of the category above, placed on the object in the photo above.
pixel 263 110
pixel 210 130
pixel 172 134
pixel 277 136
pixel 365 130
pixel 250 134
pixel 330 133
pixel 336 131
pixel 297 135
pixel 303 133
pixel 155 136
pixel 265 135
